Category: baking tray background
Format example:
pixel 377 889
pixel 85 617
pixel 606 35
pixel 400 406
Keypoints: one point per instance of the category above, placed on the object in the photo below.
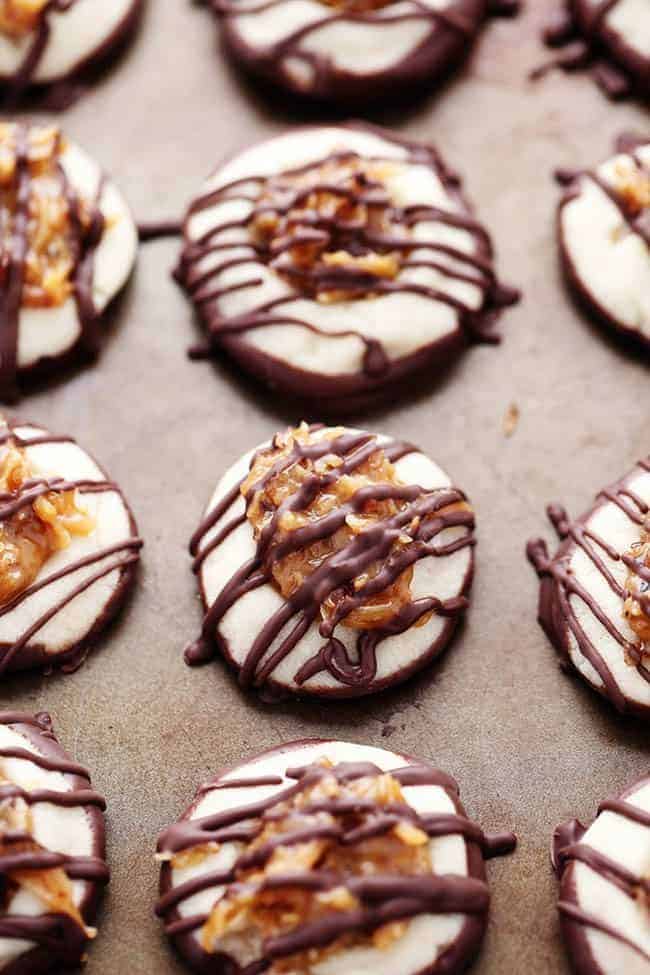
pixel 529 746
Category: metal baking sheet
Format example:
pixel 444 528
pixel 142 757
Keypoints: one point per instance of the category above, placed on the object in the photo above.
pixel 529 746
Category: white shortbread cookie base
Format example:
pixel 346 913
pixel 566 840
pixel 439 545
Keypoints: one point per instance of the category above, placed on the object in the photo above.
pixel 382 318
pixel 75 35
pixel 611 263
pixel 627 843
pixel 358 48
pixel 442 577
pixel 630 19
pixel 614 527
pixel 426 936
pixel 112 525
pixel 53 331
pixel 55 828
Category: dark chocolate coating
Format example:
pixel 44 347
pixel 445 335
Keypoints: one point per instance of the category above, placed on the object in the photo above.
pixel 58 93
pixel 456 894
pixel 569 849
pixel 616 65
pixel 638 225
pixel 378 374
pixel 65 946
pixel 27 653
pixel 354 678
pixel 555 613
pixel 449 39
pixel 85 242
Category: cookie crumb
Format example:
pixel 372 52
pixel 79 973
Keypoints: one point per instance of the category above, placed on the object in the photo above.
pixel 511 420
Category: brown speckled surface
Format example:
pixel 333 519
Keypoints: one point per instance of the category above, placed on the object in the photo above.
pixel 529 746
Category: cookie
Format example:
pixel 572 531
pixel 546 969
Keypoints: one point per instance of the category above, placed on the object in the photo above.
pixel 333 262
pixel 45 43
pixel 326 856
pixel 68 245
pixel 604 885
pixel 69 545
pixel 52 850
pixel 594 602
pixel 332 562
pixel 610 37
pixel 604 239
pixel 352 51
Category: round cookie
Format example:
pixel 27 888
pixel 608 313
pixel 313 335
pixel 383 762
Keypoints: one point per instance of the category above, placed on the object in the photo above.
pixel 70 550
pixel 333 262
pixel 594 604
pixel 61 269
pixel 332 562
pixel 52 850
pixel 43 43
pixel 612 37
pixel 350 858
pixel 352 51
pixel 604 238
pixel 604 885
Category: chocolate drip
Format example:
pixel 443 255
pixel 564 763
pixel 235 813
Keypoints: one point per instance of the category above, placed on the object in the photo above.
pixel 157 230
pixel 120 557
pixel 374 544
pixel 206 292
pixel 85 240
pixel 560 585
pixel 580 34
pixel 382 897
pixel 59 934
pixel 569 848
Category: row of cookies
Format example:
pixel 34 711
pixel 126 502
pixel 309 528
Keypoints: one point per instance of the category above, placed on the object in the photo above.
pixel 304 256
pixel 346 51
pixel 330 562
pixel 318 856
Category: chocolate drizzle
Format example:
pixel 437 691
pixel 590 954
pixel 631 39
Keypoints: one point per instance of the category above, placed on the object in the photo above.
pixel 206 289
pixel 299 612
pixel 560 585
pixel 570 848
pixel 581 30
pixel 13 254
pixel 637 221
pixel 382 897
pixel 56 936
pixel 450 34
pixel 120 557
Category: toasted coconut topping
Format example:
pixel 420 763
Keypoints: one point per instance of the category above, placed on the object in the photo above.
pixel 52 256
pixel 52 886
pixel 20 17
pixel 33 533
pixel 290 572
pixel 329 228
pixel 633 185
pixel 636 608
pixel 267 899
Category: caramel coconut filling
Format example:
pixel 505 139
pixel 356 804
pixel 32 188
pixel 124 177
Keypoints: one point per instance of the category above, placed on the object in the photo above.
pixel 318 833
pixel 329 229
pixel 632 184
pixel 51 886
pixel 636 608
pixel 20 17
pixel 275 490
pixel 54 216
pixel 36 530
